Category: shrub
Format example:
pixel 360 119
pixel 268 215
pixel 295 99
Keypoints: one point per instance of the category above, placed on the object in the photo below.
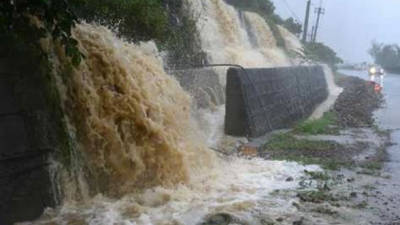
pixel 136 20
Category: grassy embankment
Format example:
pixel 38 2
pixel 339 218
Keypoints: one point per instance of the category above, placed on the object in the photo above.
pixel 287 146
pixel 330 155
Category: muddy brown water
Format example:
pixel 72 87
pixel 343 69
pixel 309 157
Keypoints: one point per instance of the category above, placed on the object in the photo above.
pixel 388 117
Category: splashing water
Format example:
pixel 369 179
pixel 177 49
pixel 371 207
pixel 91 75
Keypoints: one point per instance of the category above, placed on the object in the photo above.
pixel 239 187
pixel 140 146
pixel 226 36
pixel 265 41
pixel 291 41
pixel 145 157
pixel 132 119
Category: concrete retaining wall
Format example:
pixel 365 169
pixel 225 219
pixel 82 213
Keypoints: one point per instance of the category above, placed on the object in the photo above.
pixel 261 100
pixel 27 136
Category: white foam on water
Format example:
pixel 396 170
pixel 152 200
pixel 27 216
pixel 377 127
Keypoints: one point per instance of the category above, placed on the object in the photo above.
pixel 225 39
pixel 238 186
pixel 333 93
pixel 154 109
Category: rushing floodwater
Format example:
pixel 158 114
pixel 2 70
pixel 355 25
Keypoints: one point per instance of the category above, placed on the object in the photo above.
pixel 143 160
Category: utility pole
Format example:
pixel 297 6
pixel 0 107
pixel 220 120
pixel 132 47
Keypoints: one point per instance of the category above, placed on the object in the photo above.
pixel 319 11
pixel 312 33
pixel 305 30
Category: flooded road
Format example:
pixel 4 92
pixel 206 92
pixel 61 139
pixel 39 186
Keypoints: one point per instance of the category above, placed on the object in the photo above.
pixel 388 118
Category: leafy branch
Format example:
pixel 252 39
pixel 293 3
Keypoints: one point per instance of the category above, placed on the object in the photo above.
pixel 54 15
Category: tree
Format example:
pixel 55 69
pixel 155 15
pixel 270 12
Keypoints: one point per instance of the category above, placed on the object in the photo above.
pixel 263 7
pixel 18 30
pixel 321 53
pixel 293 26
pixel 388 56
pixel 137 20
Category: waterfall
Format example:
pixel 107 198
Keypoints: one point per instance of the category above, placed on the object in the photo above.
pixel 143 159
pixel 265 41
pixel 143 156
pixel 230 36
pixel 132 119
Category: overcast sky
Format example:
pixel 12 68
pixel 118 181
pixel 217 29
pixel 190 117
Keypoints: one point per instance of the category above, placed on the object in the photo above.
pixel 349 26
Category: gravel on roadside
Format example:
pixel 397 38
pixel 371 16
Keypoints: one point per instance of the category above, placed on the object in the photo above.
pixel 358 101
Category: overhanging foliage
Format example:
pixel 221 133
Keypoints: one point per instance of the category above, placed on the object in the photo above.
pixel 319 52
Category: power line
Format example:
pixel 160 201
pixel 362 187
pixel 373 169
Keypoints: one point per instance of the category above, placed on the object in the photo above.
pixel 291 11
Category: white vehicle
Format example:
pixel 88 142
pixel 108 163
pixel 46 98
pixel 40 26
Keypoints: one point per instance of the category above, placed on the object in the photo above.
pixel 375 72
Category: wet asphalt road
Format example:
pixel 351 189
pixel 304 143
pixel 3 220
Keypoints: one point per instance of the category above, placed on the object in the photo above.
pixel 388 192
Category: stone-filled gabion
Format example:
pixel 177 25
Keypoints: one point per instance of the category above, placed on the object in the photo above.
pixel 263 99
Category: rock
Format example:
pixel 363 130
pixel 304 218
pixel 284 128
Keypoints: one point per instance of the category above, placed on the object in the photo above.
pixel 297 205
pixel 280 219
pixel 299 222
pixel 218 219
pixel 289 179
pixel 355 106
pixel 267 221
pixel 353 194
pixel 248 150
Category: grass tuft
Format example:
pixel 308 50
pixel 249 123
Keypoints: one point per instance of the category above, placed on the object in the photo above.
pixel 286 146
pixel 315 196
pixel 287 141
pixel 324 125
pixel 318 175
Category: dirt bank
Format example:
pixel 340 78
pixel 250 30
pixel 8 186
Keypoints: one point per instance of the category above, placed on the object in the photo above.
pixel 355 106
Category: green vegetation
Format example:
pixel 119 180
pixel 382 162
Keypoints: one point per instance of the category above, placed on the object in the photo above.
pixel 380 131
pixel 319 52
pixel 318 175
pixel 361 205
pixel 324 210
pixel 168 22
pixel 137 20
pixel 287 141
pixel 263 7
pixel 293 26
pixel 388 56
pixel 286 146
pixel 182 42
pixel 21 33
pixel 372 165
pixel 316 196
pixel 372 168
pixel 323 125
